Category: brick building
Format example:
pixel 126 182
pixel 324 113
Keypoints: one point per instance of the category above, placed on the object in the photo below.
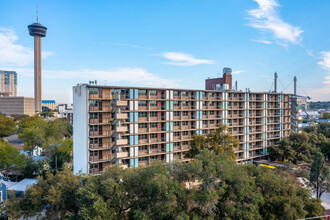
pixel 224 83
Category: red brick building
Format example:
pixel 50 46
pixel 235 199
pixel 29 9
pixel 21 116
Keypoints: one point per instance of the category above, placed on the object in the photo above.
pixel 220 83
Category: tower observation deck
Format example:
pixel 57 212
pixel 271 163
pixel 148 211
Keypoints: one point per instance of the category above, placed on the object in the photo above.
pixel 37 31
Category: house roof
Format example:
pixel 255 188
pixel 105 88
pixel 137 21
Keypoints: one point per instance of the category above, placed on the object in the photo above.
pixel 310 113
pixel 23 185
pixel 9 183
pixel 13 139
pixel 18 147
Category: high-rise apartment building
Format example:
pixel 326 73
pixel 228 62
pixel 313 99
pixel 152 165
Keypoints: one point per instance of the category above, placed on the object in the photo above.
pixel 8 83
pixel 131 126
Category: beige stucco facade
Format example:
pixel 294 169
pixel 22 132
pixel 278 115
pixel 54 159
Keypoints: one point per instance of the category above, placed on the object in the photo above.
pixel 17 105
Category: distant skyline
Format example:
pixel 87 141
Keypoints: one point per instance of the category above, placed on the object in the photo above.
pixel 176 44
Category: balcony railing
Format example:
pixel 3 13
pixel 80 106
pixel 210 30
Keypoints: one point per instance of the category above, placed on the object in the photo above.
pixel 121 154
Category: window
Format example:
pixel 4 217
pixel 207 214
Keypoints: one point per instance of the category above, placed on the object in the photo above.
pixel 93 128
pixel 142 136
pixel 93 115
pixel 142 92
pixel 175 103
pixel 176 144
pixel 203 103
pixel 153 114
pixel 204 122
pixel 176 124
pixel 142 103
pixel 153 103
pixel 184 103
pixel 211 103
pixel 211 122
pixel 93 91
pixel 211 94
pixel 175 93
pixel 153 146
pixel 93 103
pixel 153 136
pixel 176 113
pixel 143 158
pixel 184 93
pixel 153 93
pixel 94 153
pixel 153 125
pixel 185 113
pixel 94 141
pixel 211 112
pixel 142 125
pixel 143 148
pixel 176 134
pixel 142 114
pixel 204 112
pixel 184 123
pixel 185 133
pixel 94 166
pixel 185 143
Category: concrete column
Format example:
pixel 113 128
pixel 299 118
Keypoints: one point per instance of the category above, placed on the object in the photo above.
pixel 37 73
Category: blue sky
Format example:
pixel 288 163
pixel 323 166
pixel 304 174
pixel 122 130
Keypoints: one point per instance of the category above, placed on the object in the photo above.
pixel 169 43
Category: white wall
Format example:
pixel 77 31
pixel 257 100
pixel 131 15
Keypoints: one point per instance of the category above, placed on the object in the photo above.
pixel 80 129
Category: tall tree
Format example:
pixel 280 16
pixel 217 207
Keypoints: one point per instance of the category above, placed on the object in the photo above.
pixel 219 141
pixel 10 158
pixel 319 175
pixel 7 126
pixel 56 195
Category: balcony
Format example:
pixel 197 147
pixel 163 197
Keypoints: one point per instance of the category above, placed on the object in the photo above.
pixel 121 142
pixel 100 159
pixel 121 128
pixel 121 116
pixel 121 154
pixel 155 129
pixel 156 140
pixel 121 103
pixel 157 151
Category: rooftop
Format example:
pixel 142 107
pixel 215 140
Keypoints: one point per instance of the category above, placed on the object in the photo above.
pixel 197 90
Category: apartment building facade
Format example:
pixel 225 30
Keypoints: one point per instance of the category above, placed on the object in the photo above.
pixel 8 83
pixel 132 126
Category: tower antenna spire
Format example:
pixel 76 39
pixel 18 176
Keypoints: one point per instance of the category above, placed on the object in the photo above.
pixel 37 14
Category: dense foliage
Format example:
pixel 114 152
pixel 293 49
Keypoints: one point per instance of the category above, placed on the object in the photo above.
pixel 219 141
pixel 10 158
pixel 7 126
pixel 319 105
pixel 320 175
pixel 35 131
pixel 210 187
pixel 300 147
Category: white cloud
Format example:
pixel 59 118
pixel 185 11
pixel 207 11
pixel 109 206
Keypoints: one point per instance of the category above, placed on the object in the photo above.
pixel 182 59
pixel 310 53
pixel 238 71
pixel 323 93
pixel 267 19
pixel 137 76
pixel 13 54
pixel 263 41
pixel 325 62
